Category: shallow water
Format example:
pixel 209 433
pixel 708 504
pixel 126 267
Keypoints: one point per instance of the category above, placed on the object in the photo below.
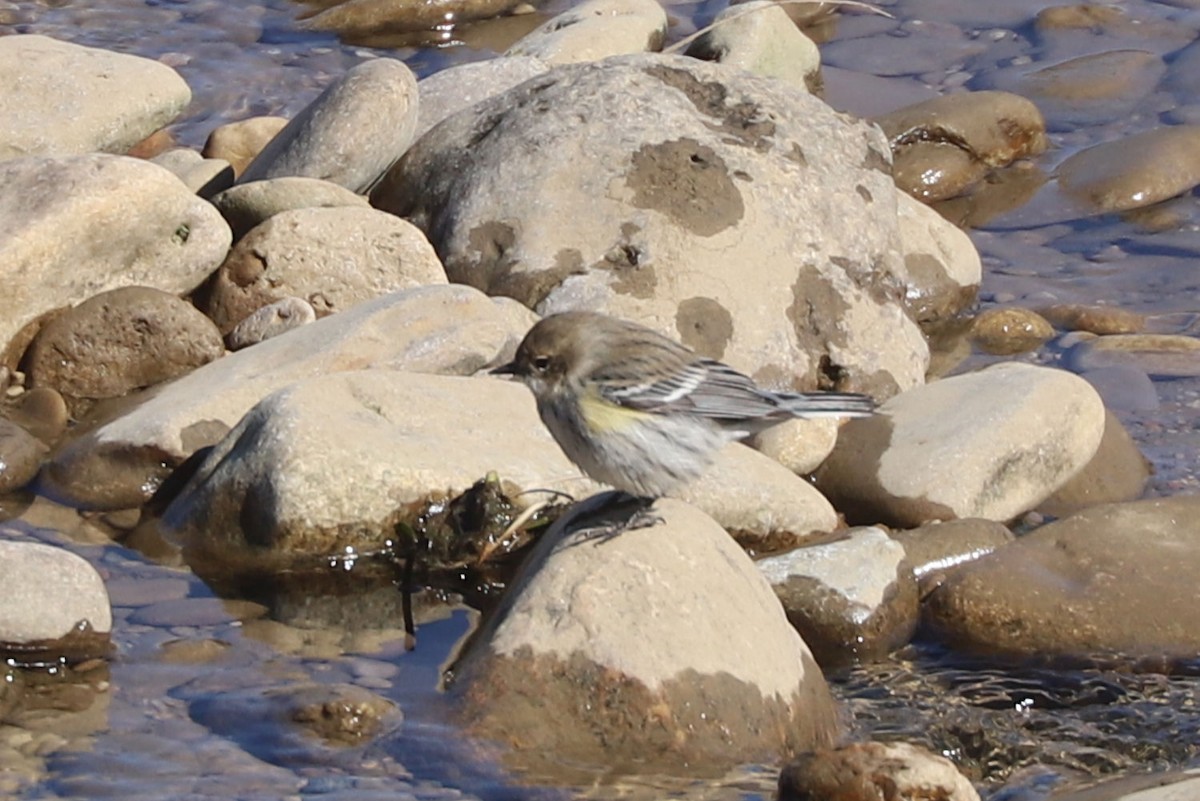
pixel 149 724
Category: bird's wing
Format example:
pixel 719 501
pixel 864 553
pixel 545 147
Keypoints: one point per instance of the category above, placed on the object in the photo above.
pixel 703 387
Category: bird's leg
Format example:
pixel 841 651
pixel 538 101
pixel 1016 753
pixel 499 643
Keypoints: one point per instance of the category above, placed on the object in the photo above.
pixel 640 514
pixel 643 516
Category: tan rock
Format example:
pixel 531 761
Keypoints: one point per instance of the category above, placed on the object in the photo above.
pixel 62 99
pixel 240 142
pixel 334 258
pixel 448 329
pixel 592 623
pixel 989 444
pixel 119 341
pixel 123 222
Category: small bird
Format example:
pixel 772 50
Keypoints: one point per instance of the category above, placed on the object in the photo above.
pixel 643 413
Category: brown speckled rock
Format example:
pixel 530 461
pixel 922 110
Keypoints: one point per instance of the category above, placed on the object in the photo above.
pixel 762 230
pixel 333 258
pixel 119 341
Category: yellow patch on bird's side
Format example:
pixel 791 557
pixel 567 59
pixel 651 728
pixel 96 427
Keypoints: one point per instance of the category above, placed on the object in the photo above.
pixel 602 416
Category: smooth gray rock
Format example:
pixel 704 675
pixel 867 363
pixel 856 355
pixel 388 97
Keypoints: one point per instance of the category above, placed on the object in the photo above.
pixel 760 37
pixel 245 206
pixel 455 88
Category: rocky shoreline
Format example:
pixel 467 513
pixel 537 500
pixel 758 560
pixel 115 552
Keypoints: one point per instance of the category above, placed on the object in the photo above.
pixel 304 313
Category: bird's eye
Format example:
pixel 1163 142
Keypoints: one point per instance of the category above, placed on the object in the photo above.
pixel 541 363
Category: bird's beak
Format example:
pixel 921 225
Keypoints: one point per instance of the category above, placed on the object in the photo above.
pixel 504 369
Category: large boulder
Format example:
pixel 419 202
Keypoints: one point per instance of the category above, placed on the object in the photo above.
pixel 729 210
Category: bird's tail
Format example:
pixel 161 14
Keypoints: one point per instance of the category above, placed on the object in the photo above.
pixel 826 404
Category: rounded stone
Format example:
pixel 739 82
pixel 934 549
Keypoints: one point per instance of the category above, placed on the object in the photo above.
pixel 1009 330
pixel 1136 171
pixel 357 128
pixel 944 145
pixel 49 593
pixel 991 444
pixel 246 205
pixel 119 341
pixel 123 222
pixel 1100 320
pixel 269 321
pixel 1107 581
pixel 21 456
pixel 1161 355
pixel 333 258
pixel 597 623
pixel 238 143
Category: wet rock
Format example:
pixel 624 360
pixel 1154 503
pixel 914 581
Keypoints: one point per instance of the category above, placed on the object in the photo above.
pixel 1161 355
pixel 334 258
pixel 989 444
pixel 687 179
pixel 451 329
pixel 1086 90
pixel 851 600
pixel 455 88
pixel 945 145
pixel 1123 387
pixel 52 602
pixel 119 341
pixel 270 321
pixel 72 227
pixel 871 771
pixel 1094 319
pixel 594 623
pixel 351 133
pixel 595 29
pixel 63 99
pixel 1137 171
pixel 337 461
pixel 205 177
pixel 941 271
pixel 1108 580
pixel 295 725
pixel 1066 31
pixel 760 37
pixel 1118 472
pixel 21 456
pixel 40 411
pixel 366 19
pixel 1158 786
pixel 247 205
pixel 1009 330
pixel 238 143
pixel 914 47
pixel 1002 192
pixel 933 549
